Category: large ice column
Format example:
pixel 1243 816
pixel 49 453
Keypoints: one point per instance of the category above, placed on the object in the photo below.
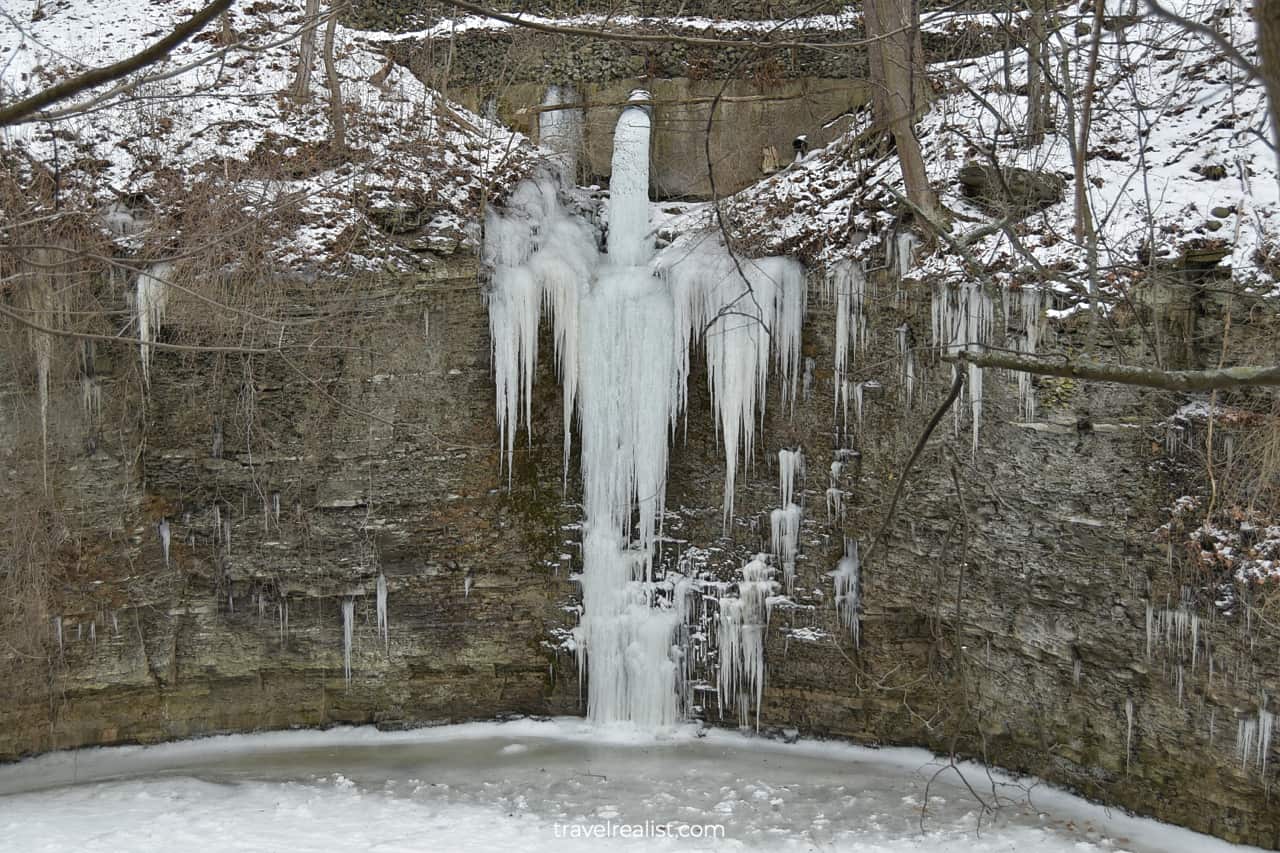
pixel 626 403
pixel 630 243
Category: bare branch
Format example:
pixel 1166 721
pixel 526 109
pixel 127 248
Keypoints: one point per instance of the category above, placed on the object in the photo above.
pixel 1167 380
pixel 98 76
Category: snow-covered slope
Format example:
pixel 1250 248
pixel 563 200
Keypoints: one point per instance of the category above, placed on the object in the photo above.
pixel 223 126
pixel 1178 158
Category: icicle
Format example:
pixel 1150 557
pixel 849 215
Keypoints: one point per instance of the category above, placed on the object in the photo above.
pixel 790 463
pixel 282 611
pixel 785 533
pixel 149 304
pixel 1031 303
pixel 835 506
pixel 848 578
pixel 165 538
pixel 740 638
pixel 908 356
pixel 1077 667
pixel 57 631
pixel 93 632
pixel 904 246
pixel 962 322
pixel 849 280
pixel 383 626
pixel 1128 733
pixel 348 619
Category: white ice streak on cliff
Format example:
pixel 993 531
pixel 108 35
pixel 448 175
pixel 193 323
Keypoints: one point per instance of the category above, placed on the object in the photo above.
pixel 740 636
pixel 384 627
pixel 962 323
pixel 150 301
pixel 849 280
pixel 848 578
pixel 536 253
pixel 348 618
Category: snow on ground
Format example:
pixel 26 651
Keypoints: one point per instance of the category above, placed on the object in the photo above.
pixel 847 18
pixel 1177 158
pixel 413 180
pixel 525 784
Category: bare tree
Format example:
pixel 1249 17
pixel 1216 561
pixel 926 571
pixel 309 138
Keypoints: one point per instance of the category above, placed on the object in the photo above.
pixel 337 117
pixel 307 52
pixel 896 57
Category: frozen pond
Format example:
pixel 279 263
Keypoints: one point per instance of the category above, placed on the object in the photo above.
pixel 537 786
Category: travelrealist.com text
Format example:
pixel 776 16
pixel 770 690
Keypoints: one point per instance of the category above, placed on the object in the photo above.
pixel 647 829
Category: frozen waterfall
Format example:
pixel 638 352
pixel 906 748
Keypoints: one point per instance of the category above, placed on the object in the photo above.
pixel 625 322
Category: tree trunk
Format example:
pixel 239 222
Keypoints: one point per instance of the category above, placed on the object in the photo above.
pixel 897 69
pixel 337 116
pixel 1035 74
pixel 1267 15
pixel 307 52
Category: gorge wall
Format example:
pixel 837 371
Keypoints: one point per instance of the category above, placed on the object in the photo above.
pixel 1033 617
pixel 1029 659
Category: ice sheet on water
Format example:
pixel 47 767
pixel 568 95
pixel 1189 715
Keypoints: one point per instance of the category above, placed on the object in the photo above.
pixel 301 790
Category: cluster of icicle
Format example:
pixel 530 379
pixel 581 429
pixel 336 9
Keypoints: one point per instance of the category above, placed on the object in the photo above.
pixel 1253 738
pixel 624 325
pixel 150 300
pixel 1178 630
pixel 785 520
pixel 847 577
pixel 740 635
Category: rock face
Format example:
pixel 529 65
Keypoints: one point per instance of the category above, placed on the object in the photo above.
pixel 1014 630
pixel 1010 190
pixel 287 491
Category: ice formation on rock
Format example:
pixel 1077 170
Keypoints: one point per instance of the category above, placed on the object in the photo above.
pixel 848 578
pixel 740 637
pixel 1253 738
pixel 849 280
pixel 790 463
pixel 165 538
pixel 384 628
pixel 624 326
pixel 150 300
pixel 348 619
pixel 1128 732
pixel 962 322
pixel 908 356
pixel 1030 301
